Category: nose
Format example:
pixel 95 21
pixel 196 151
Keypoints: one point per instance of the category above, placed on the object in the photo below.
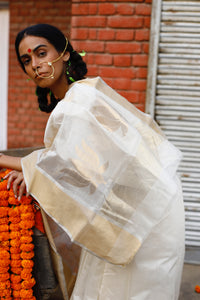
pixel 35 62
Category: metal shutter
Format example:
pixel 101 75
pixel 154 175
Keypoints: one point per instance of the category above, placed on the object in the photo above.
pixel 176 92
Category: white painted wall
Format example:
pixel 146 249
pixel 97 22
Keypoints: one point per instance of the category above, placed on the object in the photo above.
pixel 4 52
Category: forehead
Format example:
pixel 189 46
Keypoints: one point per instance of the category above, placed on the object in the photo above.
pixel 31 42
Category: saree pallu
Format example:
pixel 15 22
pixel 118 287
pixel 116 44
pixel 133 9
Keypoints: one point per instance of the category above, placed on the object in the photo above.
pixel 107 182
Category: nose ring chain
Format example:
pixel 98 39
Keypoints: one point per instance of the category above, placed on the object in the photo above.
pixel 50 64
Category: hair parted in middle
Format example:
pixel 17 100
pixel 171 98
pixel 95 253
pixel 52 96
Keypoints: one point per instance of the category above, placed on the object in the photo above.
pixel 76 68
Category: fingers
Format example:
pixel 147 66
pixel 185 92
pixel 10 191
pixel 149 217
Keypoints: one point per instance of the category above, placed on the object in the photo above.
pixel 11 176
pixel 22 189
pixel 17 183
pixel 16 179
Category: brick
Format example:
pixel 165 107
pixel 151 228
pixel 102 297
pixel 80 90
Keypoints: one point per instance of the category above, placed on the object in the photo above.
pixel 125 9
pixel 140 60
pixel 106 34
pixel 106 9
pixel 116 72
pixel 131 96
pixel 122 60
pixel 119 47
pixel 90 58
pixel 141 73
pixel 142 35
pixel 96 21
pixel 145 48
pixel 139 85
pixel 143 9
pixel 122 83
pixel 147 22
pixel 125 22
pixel 89 46
pixel 84 9
pixel 103 59
pixel 125 34
pixel 92 34
pixel 79 34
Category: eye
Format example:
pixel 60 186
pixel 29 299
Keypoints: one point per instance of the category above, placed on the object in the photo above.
pixel 26 61
pixel 42 53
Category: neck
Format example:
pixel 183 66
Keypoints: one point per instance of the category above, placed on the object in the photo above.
pixel 60 89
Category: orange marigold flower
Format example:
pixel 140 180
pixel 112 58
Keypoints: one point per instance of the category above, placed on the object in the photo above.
pixel 4 227
pixel 27 247
pixel 4 194
pixel 15 278
pixel 26 239
pixel 14 227
pixel 3 185
pixel 28 284
pixel 14 211
pixel 4 254
pixel 15 263
pixel 27 271
pixel 16 286
pixel 15 250
pixel 13 201
pixel 16 271
pixel 25 276
pixel 15 243
pixel 26 293
pixel 4 276
pixel 5 285
pixel 6 294
pixel 26 200
pixel 25 208
pixel 4 236
pixel 26 232
pixel 14 220
pixel 3 202
pixel 15 234
pixel 27 255
pixel 4 262
pixel 27 263
pixel 3 212
pixel 4 269
pixel 15 256
pixel 197 289
pixel 27 224
pixel 3 220
pixel 16 294
pixel 27 216
pixel 4 244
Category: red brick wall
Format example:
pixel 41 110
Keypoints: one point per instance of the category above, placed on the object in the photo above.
pixel 26 123
pixel 115 35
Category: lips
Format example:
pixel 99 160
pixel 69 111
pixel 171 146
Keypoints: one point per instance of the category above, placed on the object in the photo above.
pixel 41 75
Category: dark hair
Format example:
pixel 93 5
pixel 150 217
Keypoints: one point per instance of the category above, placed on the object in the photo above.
pixel 76 67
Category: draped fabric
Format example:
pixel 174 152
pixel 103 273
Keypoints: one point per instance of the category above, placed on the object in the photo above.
pixel 107 181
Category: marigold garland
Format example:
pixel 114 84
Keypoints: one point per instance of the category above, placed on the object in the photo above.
pixel 197 289
pixel 16 244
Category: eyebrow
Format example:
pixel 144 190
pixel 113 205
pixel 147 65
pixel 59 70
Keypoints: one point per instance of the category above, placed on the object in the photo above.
pixel 34 50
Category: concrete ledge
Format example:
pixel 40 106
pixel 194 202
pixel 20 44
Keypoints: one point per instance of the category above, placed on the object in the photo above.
pixel 20 151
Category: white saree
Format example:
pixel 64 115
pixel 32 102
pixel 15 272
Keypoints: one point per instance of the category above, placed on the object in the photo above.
pixel 107 182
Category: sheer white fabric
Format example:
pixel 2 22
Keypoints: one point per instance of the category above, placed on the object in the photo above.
pixel 107 178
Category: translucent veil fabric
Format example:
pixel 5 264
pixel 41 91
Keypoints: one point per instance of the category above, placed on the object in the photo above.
pixel 107 174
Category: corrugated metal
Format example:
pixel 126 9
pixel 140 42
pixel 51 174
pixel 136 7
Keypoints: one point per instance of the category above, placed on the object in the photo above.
pixel 177 101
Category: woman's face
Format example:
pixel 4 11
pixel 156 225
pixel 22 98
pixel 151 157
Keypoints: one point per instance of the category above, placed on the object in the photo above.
pixel 36 53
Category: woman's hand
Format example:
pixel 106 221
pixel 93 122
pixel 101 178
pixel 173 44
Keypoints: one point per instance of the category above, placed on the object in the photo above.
pixel 16 178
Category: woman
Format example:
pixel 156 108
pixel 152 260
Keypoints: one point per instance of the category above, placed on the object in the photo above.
pixel 106 180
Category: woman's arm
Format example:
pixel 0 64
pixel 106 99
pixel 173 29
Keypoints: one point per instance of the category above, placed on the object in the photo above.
pixel 10 162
